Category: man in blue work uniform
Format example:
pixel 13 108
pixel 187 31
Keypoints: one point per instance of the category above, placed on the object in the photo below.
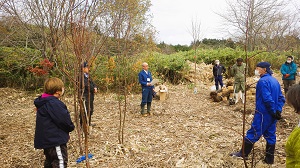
pixel 145 79
pixel 288 71
pixel 269 103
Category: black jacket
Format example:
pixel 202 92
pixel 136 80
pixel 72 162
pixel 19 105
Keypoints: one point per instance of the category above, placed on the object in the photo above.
pixel 87 85
pixel 218 70
pixel 53 123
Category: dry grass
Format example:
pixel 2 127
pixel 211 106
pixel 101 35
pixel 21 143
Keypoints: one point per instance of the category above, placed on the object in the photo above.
pixel 186 130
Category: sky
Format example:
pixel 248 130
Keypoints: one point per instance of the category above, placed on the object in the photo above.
pixel 173 19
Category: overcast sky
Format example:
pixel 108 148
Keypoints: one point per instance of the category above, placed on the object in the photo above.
pixel 173 19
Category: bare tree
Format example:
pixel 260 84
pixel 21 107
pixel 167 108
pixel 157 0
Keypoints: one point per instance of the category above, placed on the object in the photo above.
pixel 75 31
pixel 267 20
pixel 261 24
pixel 132 19
pixel 196 34
pixel 48 19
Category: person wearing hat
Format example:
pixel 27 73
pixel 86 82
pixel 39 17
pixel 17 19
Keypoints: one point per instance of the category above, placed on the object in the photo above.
pixel 238 72
pixel 288 71
pixel 218 71
pixel 268 107
pixel 145 79
pixel 89 89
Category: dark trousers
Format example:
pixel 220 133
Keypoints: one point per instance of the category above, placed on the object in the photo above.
pixel 89 105
pixel 287 84
pixel 56 157
pixel 218 80
pixel 146 95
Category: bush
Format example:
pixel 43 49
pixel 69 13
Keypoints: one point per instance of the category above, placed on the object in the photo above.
pixel 14 63
pixel 113 73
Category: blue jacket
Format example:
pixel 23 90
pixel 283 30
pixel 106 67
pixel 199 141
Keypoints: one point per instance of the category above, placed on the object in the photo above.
pixel 145 78
pixel 287 68
pixel 53 123
pixel 269 98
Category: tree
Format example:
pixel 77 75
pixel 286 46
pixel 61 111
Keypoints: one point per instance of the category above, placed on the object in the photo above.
pixel 196 33
pixel 267 20
pixel 75 31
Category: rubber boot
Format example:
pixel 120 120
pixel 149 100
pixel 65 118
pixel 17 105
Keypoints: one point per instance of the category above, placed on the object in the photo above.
pixel 90 121
pixel 149 108
pixel 243 98
pixel 236 97
pixel 143 109
pixel 270 149
pixel 217 87
pixel 247 149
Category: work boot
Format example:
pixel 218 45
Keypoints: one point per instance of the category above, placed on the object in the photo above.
pixel 236 97
pixel 247 149
pixel 243 98
pixel 149 108
pixel 270 149
pixel 142 109
pixel 90 122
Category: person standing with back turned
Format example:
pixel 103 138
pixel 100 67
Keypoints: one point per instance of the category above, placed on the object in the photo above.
pixel 145 79
pixel 53 124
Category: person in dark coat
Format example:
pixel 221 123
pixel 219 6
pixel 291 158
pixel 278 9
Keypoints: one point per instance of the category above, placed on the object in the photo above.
pixel 89 90
pixel 218 71
pixel 268 108
pixel 53 124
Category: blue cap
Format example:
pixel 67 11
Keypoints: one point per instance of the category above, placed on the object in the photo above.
pixel 265 65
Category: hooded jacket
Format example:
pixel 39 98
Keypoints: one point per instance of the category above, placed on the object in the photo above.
pixel 292 149
pixel 53 122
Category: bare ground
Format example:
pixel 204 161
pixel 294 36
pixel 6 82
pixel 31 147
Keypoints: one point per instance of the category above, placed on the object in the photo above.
pixel 186 130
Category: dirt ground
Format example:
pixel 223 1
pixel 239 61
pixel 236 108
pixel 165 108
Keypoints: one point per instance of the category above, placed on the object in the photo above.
pixel 186 130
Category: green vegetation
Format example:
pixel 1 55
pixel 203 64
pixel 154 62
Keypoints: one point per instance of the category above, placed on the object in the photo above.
pixel 18 69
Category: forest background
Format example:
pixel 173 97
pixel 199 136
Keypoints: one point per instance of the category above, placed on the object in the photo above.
pixel 42 39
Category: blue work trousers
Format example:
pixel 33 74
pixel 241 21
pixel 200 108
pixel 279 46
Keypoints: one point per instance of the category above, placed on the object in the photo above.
pixel 146 95
pixel 262 125
pixel 218 80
